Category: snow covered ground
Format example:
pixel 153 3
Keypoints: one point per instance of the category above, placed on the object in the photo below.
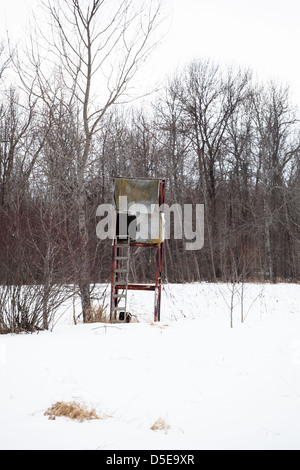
pixel 216 387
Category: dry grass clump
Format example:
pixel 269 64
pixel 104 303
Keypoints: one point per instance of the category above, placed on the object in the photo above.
pixel 71 410
pixel 160 425
pixel 161 326
pixel 96 315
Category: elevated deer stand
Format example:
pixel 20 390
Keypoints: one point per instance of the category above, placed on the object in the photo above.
pixel 147 195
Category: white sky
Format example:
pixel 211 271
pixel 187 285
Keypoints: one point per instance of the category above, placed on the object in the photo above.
pixel 261 34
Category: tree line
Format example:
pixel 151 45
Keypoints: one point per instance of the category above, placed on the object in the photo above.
pixel 218 137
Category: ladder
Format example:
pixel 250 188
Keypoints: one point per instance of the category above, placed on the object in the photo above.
pixel 120 275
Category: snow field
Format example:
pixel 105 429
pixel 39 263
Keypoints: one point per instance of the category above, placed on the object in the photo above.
pixel 216 387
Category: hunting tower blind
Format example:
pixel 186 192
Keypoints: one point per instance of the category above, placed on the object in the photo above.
pixel 140 224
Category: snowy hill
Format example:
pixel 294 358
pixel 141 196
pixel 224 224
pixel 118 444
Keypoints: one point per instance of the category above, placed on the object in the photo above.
pixel 214 387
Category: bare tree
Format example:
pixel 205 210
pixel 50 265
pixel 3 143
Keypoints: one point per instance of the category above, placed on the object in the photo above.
pixel 210 98
pixel 97 47
pixel 5 58
pixel 277 145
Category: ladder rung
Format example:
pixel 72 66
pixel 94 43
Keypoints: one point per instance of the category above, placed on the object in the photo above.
pixel 121 268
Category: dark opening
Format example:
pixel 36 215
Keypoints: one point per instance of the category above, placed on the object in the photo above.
pixel 126 226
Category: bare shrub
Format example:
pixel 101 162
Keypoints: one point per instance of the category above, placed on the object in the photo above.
pixel 29 308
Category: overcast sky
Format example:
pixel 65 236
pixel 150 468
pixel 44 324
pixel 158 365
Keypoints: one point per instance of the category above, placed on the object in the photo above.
pixel 261 34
